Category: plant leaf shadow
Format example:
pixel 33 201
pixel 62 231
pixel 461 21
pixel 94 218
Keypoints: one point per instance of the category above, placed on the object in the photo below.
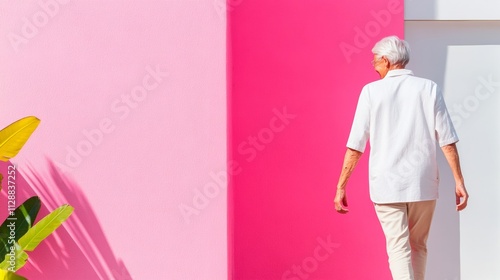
pixel 79 248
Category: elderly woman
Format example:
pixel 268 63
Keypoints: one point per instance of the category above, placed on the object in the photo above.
pixel 404 117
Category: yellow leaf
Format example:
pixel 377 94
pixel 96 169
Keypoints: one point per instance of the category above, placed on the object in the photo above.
pixel 8 275
pixel 14 136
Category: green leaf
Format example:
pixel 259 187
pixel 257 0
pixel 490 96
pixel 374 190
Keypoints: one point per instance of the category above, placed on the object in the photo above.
pixel 8 275
pixel 45 227
pixel 14 259
pixel 18 223
pixel 15 135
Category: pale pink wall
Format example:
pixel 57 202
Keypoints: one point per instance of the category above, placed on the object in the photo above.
pixel 76 71
pixel 296 70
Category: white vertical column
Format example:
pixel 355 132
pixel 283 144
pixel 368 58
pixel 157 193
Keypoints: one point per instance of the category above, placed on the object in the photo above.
pixel 464 58
pixel 472 80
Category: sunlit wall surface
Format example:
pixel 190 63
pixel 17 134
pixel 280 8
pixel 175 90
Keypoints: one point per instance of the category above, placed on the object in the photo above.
pixel 132 99
pixel 458 47
pixel 296 70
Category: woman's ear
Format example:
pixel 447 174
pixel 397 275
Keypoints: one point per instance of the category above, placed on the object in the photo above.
pixel 386 62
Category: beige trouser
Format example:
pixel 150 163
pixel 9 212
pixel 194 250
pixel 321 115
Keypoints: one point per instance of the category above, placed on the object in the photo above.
pixel 406 227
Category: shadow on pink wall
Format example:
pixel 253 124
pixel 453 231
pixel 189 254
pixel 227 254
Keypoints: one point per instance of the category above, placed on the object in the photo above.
pixel 76 250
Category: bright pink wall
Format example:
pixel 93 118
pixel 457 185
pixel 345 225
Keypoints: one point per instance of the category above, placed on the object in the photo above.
pixel 295 71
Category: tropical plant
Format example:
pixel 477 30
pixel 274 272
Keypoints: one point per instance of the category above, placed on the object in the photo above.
pixel 18 233
pixel 25 237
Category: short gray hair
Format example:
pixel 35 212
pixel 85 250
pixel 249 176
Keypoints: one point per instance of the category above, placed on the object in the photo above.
pixel 396 51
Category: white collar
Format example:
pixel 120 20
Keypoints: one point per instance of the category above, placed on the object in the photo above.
pixel 398 72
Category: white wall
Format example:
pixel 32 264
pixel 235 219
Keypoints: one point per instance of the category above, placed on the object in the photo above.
pixel 452 10
pixel 459 55
pixel 474 93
